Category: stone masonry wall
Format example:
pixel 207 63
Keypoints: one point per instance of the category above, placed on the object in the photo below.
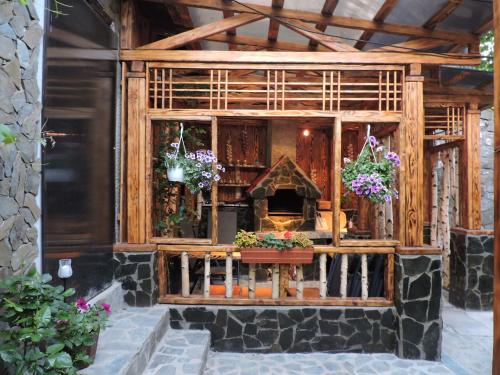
pixel 137 274
pixel 261 329
pixel 418 305
pixel 487 177
pixel 471 271
pixel 20 36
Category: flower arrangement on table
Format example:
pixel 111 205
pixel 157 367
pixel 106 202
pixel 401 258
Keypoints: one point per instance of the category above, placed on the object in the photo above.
pixel 372 175
pixel 288 248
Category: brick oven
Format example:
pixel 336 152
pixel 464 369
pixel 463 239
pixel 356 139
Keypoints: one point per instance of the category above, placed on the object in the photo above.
pixel 284 198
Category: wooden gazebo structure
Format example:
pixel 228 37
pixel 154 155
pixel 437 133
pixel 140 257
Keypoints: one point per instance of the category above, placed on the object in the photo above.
pixel 396 76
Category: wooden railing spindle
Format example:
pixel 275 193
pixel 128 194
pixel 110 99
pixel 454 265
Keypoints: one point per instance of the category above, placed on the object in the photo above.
pixel 206 284
pixel 343 276
pixel 364 277
pixel 322 275
pixel 251 281
pixel 276 281
pixel 300 281
pixel 229 275
pixel 185 274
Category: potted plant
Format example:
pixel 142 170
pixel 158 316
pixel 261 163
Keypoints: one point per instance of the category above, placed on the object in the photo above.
pixel 372 175
pixel 195 169
pixel 41 332
pixel 292 248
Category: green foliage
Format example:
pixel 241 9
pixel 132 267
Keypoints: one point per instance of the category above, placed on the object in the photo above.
pixel 249 239
pixel 486 48
pixel 6 135
pixel 44 334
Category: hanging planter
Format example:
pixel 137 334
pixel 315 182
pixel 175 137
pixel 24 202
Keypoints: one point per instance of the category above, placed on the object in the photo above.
pixel 195 169
pixel 372 175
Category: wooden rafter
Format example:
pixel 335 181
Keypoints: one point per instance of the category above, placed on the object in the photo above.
pixel 261 42
pixel 457 77
pixel 311 17
pixel 181 17
pixel 274 26
pixel 328 9
pixel 442 14
pixel 380 17
pixel 201 32
pixel 415 44
pixel 487 26
pixel 310 32
pixel 230 32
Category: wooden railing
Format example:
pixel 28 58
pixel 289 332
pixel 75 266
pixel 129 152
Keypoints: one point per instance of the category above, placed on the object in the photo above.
pixel 229 255
pixel 177 87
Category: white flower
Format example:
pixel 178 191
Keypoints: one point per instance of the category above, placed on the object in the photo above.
pixel 216 177
pixel 380 148
pixel 347 160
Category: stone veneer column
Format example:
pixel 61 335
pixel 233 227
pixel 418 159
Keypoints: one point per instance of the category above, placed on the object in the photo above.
pixel 418 304
pixel 137 274
pixel 471 269
pixel 20 36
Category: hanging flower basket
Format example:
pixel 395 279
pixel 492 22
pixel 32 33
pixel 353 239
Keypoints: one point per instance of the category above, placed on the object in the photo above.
pixel 195 169
pixel 290 249
pixel 372 175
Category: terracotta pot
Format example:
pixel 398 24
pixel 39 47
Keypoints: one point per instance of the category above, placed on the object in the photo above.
pixel 295 255
pixel 91 352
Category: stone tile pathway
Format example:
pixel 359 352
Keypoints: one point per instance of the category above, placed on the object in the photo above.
pixel 180 352
pixel 467 340
pixel 318 364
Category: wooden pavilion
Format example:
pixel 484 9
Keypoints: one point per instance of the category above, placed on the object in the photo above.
pixel 405 72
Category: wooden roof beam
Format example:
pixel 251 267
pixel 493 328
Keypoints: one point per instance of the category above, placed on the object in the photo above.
pixel 311 17
pixel 181 17
pixel 328 9
pixel 442 14
pixel 455 78
pixel 261 42
pixel 380 17
pixel 415 44
pixel 201 32
pixel 274 26
pixel 310 32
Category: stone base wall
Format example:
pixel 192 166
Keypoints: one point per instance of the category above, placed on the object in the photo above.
pixel 20 109
pixel 137 274
pixel 471 270
pixel 291 329
pixel 418 305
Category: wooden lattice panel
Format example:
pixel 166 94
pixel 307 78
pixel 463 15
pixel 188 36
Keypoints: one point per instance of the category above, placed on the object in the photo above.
pixel 349 88
pixel 445 122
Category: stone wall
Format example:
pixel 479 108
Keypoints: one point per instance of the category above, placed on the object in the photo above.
pixel 291 329
pixel 471 270
pixel 487 177
pixel 418 305
pixel 137 274
pixel 20 109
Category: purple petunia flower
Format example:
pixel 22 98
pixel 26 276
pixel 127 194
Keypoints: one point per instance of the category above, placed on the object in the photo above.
pixel 373 141
pixel 82 305
pixel 106 307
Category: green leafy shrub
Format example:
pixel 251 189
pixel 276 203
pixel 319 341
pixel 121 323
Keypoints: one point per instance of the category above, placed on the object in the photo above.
pixel 43 333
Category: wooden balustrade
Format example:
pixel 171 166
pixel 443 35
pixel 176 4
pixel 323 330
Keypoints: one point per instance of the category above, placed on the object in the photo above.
pixel 317 293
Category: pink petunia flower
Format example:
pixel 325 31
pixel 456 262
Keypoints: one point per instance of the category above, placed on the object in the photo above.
pixel 106 307
pixel 82 305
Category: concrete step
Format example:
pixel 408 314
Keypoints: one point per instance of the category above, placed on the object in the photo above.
pixel 132 336
pixel 181 352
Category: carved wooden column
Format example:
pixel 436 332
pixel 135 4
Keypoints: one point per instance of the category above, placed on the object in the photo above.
pixel 496 304
pixel 412 159
pixel 470 169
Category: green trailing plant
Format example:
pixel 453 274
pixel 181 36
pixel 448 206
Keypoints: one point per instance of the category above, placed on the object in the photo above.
pixel 44 334
pixel 289 240
pixel 6 135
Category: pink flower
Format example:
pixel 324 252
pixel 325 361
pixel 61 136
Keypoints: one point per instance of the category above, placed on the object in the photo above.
pixel 106 307
pixel 287 235
pixel 82 305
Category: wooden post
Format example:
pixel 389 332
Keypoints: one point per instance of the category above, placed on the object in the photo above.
pixel 276 281
pixel 364 276
pixel 251 281
pixel 496 299
pixel 185 274
pixel 434 199
pixel 412 165
pixel 470 172
pixel 284 280
pixel 444 217
pixel 214 196
pixel 136 161
pixel 206 280
pixel 336 180
pixel 229 275
pixel 162 274
pixel 300 281
pixel 322 275
pixel 343 275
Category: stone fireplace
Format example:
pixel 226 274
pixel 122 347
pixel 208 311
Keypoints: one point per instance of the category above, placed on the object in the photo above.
pixel 284 198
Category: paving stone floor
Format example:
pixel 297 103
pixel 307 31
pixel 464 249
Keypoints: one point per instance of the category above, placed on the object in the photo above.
pixel 318 364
